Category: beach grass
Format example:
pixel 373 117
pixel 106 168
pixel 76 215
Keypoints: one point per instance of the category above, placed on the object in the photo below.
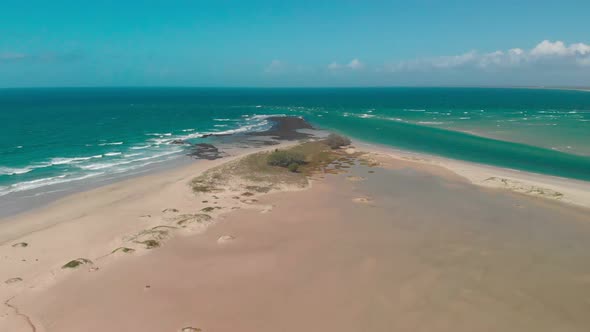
pixel 264 171
pixel 76 262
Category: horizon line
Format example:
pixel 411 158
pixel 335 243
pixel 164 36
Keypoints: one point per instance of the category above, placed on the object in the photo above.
pixel 534 87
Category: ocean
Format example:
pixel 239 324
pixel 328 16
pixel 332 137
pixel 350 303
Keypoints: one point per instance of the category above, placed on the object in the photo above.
pixel 65 136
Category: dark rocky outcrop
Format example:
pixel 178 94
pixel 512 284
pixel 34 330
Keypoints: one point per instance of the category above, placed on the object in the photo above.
pixel 205 151
pixel 285 128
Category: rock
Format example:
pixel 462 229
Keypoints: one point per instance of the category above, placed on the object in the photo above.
pixel 179 142
pixel 225 239
pixel 170 210
pixel 350 151
pixel 285 128
pixel 20 244
pixel 205 151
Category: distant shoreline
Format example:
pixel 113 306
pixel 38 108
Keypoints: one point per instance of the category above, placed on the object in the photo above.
pixel 587 89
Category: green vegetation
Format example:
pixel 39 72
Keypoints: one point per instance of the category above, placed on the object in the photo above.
pixel 149 244
pixel 336 141
pixel 259 189
pixel 211 208
pixel 190 329
pixel 285 158
pixel 76 262
pixel 203 188
pixel 264 171
pixel 13 280
pixel 189 218
pixel 210 182
pixel 124 250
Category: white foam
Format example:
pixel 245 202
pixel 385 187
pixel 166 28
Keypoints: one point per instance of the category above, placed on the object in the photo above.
pixel 430 122
pixel 75 160
pixel 113 143
pixel 14 171
pixel 110 154
pixel 159 134
pixel 141 147
pixel 395 119
pixel 366 116
pixel 265 116
pixel 34 184
pixel 98 166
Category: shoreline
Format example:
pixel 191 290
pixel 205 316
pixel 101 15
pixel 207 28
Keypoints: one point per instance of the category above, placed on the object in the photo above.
pixel 573 192
pixel 92 225
pixel 474 172
pixel 88 225
pixel 188 170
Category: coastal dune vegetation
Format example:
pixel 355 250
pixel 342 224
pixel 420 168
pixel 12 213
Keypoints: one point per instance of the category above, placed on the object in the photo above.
pixel 278 169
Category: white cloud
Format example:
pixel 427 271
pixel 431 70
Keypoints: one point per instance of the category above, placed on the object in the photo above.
pixel 546 54
pixel 558 48
pixel 275 66
pixel 355 64
pixel 334 66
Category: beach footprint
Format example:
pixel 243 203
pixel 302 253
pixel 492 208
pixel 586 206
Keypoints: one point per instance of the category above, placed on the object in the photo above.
pixel 190 329
pixel 362 200
pixel 224 239
pixel 355 178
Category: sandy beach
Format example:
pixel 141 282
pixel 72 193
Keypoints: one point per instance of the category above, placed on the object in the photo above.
pixel 385 240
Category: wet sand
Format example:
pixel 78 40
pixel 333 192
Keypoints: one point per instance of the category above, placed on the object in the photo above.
pixel 408 248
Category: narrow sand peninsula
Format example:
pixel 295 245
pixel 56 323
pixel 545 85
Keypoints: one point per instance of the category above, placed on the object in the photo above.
pixel 568 191
pixel 377 243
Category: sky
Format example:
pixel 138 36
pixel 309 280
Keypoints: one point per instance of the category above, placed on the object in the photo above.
pixel 294 43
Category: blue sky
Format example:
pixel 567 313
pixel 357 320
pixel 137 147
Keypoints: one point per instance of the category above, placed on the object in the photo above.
pixel 294 43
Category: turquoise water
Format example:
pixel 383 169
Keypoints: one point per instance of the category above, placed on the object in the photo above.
pixel 56 136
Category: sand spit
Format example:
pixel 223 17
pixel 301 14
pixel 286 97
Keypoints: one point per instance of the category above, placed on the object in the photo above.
pixel 567 191
pixel 263 222
pixel 421 257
